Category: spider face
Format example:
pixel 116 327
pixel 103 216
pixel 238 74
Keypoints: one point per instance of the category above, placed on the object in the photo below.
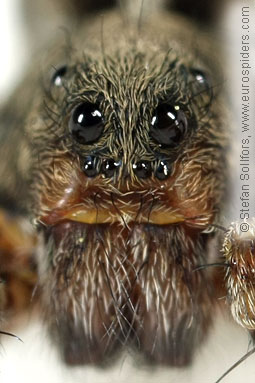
pixel 121 134
pixel 123 158
pixel 131 161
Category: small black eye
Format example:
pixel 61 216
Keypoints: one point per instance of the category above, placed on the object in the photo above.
pixel 163 170
pixel 142 169
pixel 109 167
pixel 200 76
pixel 90 166
pixel 58 75
pixel 168 125
pixel 86 123
pixel 201 87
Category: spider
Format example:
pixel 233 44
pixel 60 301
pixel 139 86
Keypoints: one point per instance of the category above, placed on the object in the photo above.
pixel 112 203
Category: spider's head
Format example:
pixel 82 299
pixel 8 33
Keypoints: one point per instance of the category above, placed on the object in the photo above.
pixel 128 169
pixel 129 139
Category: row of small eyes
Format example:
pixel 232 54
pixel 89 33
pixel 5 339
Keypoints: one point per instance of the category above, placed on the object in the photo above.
pixel 142 169
pixel 168 124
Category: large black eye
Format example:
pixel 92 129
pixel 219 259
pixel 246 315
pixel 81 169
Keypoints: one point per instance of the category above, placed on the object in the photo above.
pixel 168 125
pixel 86 123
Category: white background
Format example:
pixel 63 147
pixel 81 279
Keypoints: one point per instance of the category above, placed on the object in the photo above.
pixel 13 45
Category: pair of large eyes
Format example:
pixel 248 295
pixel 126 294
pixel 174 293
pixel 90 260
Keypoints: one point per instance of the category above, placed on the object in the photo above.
pixel 168 124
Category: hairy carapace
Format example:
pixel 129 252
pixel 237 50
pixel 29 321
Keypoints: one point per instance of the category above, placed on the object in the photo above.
pixel 119 160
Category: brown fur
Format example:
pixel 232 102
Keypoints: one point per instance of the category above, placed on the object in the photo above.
pixel 129 281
